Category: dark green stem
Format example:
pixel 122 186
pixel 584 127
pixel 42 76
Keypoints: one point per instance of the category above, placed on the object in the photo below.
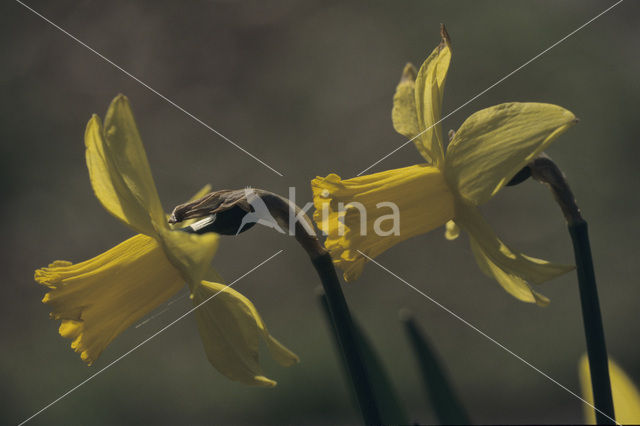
pixel 390 408
pixel 592 320
pixel 443 398
pixel 347 339
pixel 545 170
pixel 324 304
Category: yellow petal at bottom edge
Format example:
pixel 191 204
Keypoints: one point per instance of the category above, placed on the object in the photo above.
pixel 230 328
pixel 626 397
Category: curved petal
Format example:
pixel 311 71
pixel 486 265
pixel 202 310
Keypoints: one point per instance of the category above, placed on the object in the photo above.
pixel 108 185
pixel 626 396
pixel 99 298
pixel 493 144
pixel 429 90
pixel 404 113
pixel 513 284
pixel 129 157
pixel 230 327
pixel 510 268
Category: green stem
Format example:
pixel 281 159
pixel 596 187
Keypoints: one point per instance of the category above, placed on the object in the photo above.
pixel 391 411
pixel 347 338
pixel 546 171
pixel 592 320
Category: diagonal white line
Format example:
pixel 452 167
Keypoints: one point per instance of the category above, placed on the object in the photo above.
pixel 94 375
pixel 166 309
pixel 500 345
pixel 150 88
pixel 492 86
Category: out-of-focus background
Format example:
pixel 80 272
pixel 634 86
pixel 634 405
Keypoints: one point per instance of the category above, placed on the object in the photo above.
pixel 307 87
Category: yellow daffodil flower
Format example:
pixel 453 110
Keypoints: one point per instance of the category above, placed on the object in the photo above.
pixel 490 147
pixel 626 397
pixel 97 299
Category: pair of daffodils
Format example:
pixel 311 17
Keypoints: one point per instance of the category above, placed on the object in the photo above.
pixel 98 299
pixel 485 153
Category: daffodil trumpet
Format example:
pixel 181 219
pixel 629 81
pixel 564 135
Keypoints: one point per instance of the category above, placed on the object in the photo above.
pixel 227 211
pixel 544 170
pixel 99 298
pixel 484 155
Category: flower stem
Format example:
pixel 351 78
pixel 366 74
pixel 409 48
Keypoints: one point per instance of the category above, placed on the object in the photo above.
pixel 282 209
pixel 546 171
pixel 347 339
pixel 391 411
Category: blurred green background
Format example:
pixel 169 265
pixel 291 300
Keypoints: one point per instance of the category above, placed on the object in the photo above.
pixel 307 87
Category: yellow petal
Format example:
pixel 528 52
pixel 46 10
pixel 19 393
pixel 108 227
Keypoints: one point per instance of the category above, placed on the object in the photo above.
pixel 404 114
pixel 191 254
pixel 513 284
pixel 429 90
pixel 230 327
pixel 99 298
pixel 626 397
pixel 129 158
pixel 510 268
pixel 452 231
pixel 119 170
pixel 493 144
pixel 108 185
pixel 372 213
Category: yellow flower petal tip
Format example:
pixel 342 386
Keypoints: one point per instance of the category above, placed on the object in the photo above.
pixel 409 73
pixel 263 381
pixel 119 98
pixel 444 34
pixel 452 231
pixel 626 396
